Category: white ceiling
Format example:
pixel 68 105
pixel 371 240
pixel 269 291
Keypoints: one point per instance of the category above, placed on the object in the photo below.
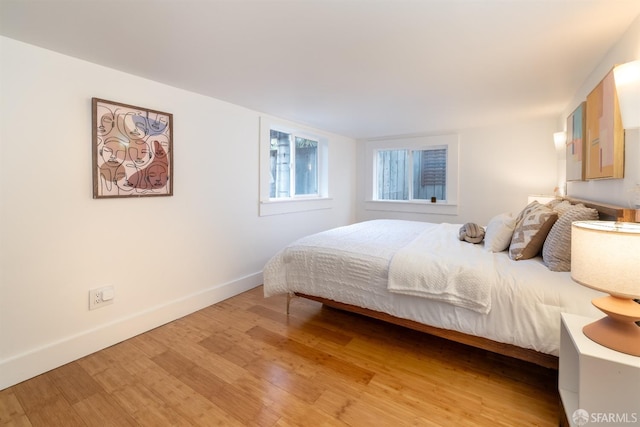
pixel 360 68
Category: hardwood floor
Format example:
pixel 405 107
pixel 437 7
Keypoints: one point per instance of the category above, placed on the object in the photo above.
pixel 243 362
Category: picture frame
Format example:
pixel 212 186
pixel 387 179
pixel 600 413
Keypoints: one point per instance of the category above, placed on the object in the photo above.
pixel 575 144
pixel 132 150
pixel 604 146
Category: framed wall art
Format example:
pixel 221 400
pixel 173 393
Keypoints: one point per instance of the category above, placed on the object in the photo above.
pixel 132 151
pixel 575 144
pixel 604 149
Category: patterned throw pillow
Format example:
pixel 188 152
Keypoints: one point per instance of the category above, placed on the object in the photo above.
pixel 556 251
pixel 532 226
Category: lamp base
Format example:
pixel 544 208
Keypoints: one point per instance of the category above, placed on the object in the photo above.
pixel 618 330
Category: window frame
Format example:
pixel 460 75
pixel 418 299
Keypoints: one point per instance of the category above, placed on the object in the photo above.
pixel 300 202
pixel 444 207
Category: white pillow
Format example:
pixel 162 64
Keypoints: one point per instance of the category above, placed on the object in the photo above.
pixel 497 237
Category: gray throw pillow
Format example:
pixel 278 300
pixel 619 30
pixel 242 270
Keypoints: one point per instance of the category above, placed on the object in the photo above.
pixel 556 251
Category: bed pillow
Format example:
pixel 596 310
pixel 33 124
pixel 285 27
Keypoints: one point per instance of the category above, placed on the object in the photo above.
pixel 499 231
pixel 532 226
pixel 561 207
pixel 553 203
pixel 556 251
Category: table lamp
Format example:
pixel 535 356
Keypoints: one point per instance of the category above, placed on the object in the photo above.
pixel 605 256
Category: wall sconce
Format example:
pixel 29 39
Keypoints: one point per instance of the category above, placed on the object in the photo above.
pixel 627 78
pixel 560 139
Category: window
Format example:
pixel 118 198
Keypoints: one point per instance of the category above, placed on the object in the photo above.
pixel 414 174
pixel 430 174
pixel 293 168
pixel 294 165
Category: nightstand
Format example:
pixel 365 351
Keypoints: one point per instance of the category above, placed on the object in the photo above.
pixel 603 382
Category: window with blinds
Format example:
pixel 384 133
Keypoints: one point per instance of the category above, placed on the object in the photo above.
pixel 430 178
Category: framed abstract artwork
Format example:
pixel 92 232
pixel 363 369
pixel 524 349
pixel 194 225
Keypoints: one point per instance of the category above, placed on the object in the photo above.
pixel 132 151
pixel 604 147
pixel 575 144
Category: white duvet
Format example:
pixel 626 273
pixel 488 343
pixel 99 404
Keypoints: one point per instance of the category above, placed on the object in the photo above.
pixel 438 266
pixel 515 302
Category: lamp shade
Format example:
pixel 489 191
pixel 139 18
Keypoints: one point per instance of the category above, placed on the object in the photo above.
pixel 560 139
pixel 605 256
pixel 627 78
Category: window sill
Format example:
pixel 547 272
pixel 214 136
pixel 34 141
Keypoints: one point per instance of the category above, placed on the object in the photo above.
pixel 279 207
pixel 426 207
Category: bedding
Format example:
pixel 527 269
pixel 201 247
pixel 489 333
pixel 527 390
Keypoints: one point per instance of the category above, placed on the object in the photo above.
pixel 386 265
pixel 435 266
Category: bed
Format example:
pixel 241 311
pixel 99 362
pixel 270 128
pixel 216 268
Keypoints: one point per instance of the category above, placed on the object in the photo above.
pixel 422 276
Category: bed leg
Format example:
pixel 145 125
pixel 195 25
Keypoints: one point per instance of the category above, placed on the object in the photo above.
pixel 290 296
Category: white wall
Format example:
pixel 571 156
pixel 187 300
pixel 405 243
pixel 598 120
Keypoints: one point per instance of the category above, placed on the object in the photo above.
pixel 166 256
pixel 498 168
pixel 501 166
pixel 616 191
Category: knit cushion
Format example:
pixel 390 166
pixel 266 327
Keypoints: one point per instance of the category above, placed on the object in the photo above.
pixel 471 232
pixel 561 207
pixel 556 251
pixel 532 226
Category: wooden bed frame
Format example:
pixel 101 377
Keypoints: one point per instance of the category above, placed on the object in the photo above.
pixel 607 212
pixel 610 212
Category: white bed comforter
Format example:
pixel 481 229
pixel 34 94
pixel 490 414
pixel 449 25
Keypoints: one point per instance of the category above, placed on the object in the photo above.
pixel 351 264
pixel 437 265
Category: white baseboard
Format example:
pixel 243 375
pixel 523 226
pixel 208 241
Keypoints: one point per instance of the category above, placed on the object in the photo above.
pixel 39 360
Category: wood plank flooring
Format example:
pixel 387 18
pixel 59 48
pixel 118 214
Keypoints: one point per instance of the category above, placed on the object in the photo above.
pixel 243 362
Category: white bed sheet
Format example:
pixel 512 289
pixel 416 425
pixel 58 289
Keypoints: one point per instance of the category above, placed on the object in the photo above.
pixel 350 264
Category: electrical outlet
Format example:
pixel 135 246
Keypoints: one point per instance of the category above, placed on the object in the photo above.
pixel 99 297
